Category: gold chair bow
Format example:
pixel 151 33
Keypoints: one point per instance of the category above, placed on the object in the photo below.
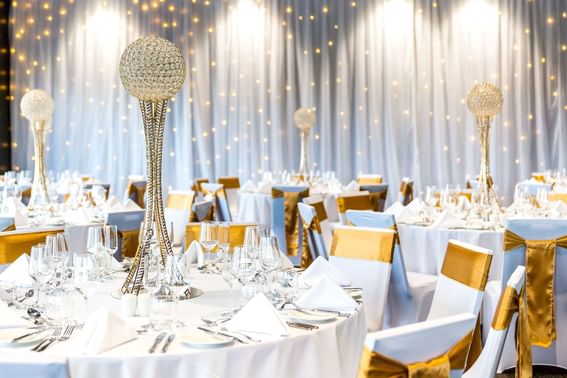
pixel 13 244
pixel 229 182
pixel 540 272
pixel 320 210
pixel 406 190
pixel 508 304
pixel 291 215
pixel 355 243
pixel 358 202
pixel 376 365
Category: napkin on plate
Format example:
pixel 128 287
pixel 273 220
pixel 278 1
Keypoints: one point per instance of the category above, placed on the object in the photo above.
pixel 104 330
pixel 326 295
pixel 17 272
pixel 352 186
pixel 322 268
pixel 411 213
pixel 195 253
pixel 248 187
pixel 395 209
pixel 448 220
pixel 259 316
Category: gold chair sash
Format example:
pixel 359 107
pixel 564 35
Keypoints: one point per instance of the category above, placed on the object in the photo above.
pixel 193 232
pixel 557 197
pixel 197 185
pixel 291 215
pixel 376 365
pixel 320 210
pixel 314 226
pixel 136 191
pixel 12 245
pixel 26 193
pixel 467 267
pixel 369 180
pixel 406 190
pixel 229 182
pixel 355 243
pixel 183 201
pixel 508 304
pixel 539 177
pixel 209 217
pixel 130 242
pixel 540 274
pixel 358 202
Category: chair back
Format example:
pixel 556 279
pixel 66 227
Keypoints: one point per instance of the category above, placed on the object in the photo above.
pixel 136 191
pixel 313 242
pixel 286 224
pixel 128 225
pixel 319 204
pixel 395 350
pixel 202 211
pixel 221 207
pixel 15 243
pixel 406 191
pixel 237 231
pixel 378 194
pixel 197 185
pixel 180 199
pixel 231 187
pixel 176 220
pixel 365 255
pixel 105 186
pixel 369 179
pixel 352 201
pixel 26 195
pixel 487 363
pixel 462 280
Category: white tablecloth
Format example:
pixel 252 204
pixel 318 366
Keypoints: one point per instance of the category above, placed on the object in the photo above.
pixel 331 351
pixel 257 207
pixel 424 248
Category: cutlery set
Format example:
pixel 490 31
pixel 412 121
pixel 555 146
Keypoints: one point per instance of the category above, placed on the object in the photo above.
pixel 159 338
pixel 55 337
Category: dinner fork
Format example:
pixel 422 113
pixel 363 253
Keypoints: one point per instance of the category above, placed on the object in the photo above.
pixel 54 336
pixel 66 335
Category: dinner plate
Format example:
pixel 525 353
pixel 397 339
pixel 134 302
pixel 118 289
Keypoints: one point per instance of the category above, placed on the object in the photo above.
pixel 310 316
pixel 203 340
pixel 9 334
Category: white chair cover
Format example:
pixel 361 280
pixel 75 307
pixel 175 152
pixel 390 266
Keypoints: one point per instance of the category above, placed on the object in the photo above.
pixel 361 194
pixel 326 230
pixel 316 242
pixel 378 194
pixel 410 293
pixel 222 210
pixel 125 221
pixel 176 220
pixel 202 209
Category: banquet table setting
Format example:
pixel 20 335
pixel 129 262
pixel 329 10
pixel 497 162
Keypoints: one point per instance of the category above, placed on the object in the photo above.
pixel 283 188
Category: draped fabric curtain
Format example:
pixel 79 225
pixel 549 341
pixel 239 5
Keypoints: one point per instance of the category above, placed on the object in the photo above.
pixel 388 80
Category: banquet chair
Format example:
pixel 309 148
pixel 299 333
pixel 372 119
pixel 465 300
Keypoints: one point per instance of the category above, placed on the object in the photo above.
pixel 236 230
pixel 231 187
pixel 406 191
pixel 26 195
pixel 313 243
pixel 352 201
pixel 285 218
pixel 176 220
pixel 410 293
pixel 319 205
pixel 378 194
pixel 434 348
pixel 197 186
pixel 180 199
pixel 105 186
pixel 15 243
pixel 369 179
pixel 508 305
pixel 128 224
pixel 540 245
pixel 218 195
pixel 202 211
pixel 364 255
pixel 136 191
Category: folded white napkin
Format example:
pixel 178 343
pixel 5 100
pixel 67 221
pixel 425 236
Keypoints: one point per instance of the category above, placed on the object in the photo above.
pixel 11 318
pixel 79 216
pixel 395 209
pixel 326 295
pixel 265 188
pixel 259 316
pixel 286 262
pixel 17 210
pixel 322 268
pixel 104 330
pixel 130 205
pixel 110 203
pixel 411 213
pixel 195 253
pixel 17 272
pixel 248 187
pixel 447 220
pixel 352 186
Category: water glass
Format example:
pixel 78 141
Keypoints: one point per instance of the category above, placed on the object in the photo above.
pixel 163 314
pixel 208 239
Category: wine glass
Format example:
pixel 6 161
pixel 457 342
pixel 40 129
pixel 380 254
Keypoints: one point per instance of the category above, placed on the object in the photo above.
pixel 98 194
pixel 208 239
pixel 95 245
pixel 85 274
pixel 110 233
pixel 223 239
pixel 243 267
pixel 252 240
pixel 270 259
pixel 228 275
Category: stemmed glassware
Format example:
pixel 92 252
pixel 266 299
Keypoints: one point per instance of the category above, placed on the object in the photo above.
pixel 270 260
pixel 95 246
pixel 110 236
pixel 98 194
pixel 244 267
pixel 208 239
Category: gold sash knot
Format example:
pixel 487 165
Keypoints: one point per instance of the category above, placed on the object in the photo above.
pixel 314 226
pixel 540 274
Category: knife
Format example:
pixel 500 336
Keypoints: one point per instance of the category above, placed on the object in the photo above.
pixel 212 331
pixel 27 335
pixel 303 326
pixel 167 342
pixel 157 341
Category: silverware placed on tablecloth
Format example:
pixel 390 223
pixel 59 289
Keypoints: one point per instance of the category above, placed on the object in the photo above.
pixel 66 335
pixel 42 329
pixel 240 333
pixel 167 342
pixel 241 340
pixel 303 326
pixel 159 338
pixel 53 336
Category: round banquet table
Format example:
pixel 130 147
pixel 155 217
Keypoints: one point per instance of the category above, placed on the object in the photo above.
pixel 423 248
pixel 257 207
pixel 331 351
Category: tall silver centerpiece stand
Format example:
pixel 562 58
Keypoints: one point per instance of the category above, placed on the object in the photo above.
pixel 37 106
pixel 304 120
pixel 152 69
pixel 485 101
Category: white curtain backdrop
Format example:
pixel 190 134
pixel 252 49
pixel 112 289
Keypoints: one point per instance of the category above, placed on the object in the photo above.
pixel 388 80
